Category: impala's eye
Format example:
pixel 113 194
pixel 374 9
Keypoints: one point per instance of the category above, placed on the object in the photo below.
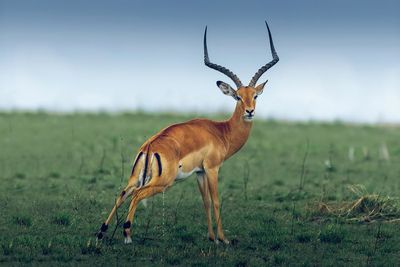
pixel 238 98
pixel 255 97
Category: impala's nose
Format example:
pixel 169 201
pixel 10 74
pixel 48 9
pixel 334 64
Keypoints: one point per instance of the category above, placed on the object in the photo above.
pixel 250 112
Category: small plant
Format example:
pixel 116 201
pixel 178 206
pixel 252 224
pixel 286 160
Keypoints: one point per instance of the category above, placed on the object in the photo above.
pixel 23 220
pixel 304 237
pixel 279 259
pixel 173 260
pixel 246 175
pixel 303 167
pixel 242 263
pixel 20 175
pixel 384 152
pixel 93 180
pixel 187 238
pixel 91 248
pixel 329 167
pixel 109 186
pixel 8 249
pixel 366 154
pixel 47 249
pixel 103 171
pixel 62 219
pixel 55 175
pixel 279 183
pixel 331 234
pixel 275 243
pixel 351 153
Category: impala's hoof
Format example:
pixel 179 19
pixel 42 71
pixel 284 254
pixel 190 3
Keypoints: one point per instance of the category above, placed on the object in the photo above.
pixel 99 236
pixel 103 229
pixel 128 240
pixel 211 238
pixel 224 241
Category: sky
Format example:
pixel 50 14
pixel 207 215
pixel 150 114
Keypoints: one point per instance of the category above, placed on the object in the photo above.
pixel 339 60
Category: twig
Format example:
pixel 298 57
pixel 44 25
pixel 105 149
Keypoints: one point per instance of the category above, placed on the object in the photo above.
pixel 177 206
pixel 375 244
pixel 82 164
pixel 122 165
pixel 303 168
pixel 118 220
pixel 103 157
pixel 246 178
pixel 148 222
pixel 293 211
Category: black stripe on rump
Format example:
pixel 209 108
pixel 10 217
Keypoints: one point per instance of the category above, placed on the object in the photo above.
pixel 136 161
pixel 159 163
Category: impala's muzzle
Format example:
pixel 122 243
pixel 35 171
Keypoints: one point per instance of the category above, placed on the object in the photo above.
pixel 249 114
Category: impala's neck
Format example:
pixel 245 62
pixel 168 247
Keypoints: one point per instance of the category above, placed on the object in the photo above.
pixel 239 130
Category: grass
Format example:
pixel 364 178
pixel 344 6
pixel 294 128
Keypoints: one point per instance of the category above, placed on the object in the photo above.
pixel 365 208
pixel 60 174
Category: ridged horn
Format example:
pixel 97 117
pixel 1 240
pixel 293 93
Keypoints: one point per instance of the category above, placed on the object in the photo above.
pixel 219 68
pixel 267 66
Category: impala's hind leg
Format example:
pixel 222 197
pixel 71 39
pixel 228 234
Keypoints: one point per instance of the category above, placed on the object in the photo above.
pixel 205 194
pixel 121 199
pixel 139 195
pixel 159 180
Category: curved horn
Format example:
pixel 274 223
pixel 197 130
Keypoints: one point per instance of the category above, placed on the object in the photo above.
pixel 268 65
pixel 219 68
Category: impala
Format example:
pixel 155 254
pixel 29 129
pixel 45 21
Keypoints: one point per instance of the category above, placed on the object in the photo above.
pixel 197 146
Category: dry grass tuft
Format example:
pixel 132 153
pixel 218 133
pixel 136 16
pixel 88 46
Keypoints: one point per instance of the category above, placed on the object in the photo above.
pixel 365 207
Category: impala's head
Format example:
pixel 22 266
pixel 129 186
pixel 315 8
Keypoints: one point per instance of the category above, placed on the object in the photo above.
pixel 244 95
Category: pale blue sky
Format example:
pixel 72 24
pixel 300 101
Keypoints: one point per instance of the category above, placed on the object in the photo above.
pixel 339 59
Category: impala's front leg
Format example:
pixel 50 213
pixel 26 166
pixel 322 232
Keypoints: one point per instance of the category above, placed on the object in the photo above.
pixel 205 194
pixel 212 177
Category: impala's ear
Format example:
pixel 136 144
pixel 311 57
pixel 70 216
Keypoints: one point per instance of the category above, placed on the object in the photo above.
pixel 260 88
pixel 227 89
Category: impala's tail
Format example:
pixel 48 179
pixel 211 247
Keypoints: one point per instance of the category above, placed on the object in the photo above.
pixel 145 168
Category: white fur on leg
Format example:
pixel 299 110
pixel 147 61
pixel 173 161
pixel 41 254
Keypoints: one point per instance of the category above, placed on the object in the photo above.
pixel 128 240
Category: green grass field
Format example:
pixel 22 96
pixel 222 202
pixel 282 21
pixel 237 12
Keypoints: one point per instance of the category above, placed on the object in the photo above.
pixel 60 174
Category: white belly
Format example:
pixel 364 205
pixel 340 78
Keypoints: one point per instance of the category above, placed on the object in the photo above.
pixel 182 175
